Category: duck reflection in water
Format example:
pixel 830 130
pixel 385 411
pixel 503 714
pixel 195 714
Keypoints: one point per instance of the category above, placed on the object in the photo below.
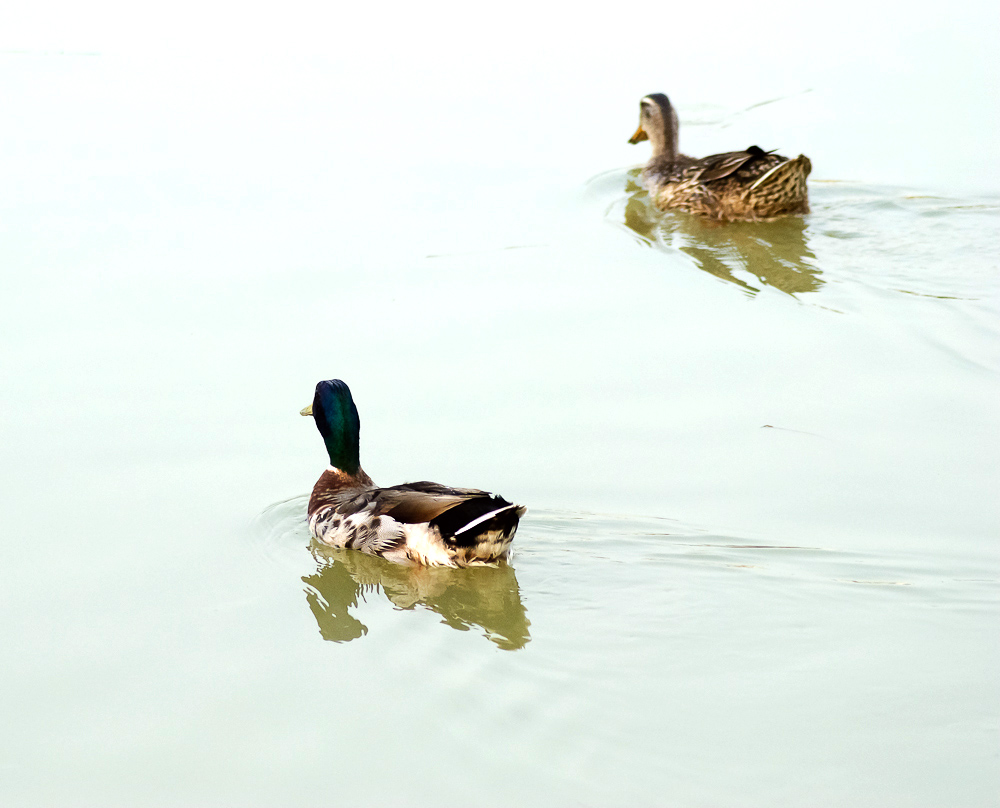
pixel 776 252
pixel 486 597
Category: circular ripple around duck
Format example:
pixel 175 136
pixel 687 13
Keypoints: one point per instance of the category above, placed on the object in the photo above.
pixel 283 533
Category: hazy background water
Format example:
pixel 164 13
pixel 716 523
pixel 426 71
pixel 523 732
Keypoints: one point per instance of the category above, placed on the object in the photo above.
pixel 760 561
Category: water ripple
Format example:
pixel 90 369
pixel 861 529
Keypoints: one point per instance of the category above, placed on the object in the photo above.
pixel 867 236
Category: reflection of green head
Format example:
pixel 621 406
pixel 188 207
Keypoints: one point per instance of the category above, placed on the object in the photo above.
pixel 338 422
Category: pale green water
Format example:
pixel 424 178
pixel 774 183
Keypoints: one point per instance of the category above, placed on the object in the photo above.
pixel 760 562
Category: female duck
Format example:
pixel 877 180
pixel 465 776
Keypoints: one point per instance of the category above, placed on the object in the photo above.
pixel 751 184
pixel 423 523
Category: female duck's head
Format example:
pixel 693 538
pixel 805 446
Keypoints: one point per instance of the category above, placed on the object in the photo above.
pixel 658 125
pixel 338 422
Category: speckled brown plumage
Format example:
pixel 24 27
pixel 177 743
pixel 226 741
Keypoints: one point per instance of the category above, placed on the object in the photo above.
pixel 748 185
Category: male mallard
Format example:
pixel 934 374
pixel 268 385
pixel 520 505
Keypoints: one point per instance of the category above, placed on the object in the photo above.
pixel 423 522
pixel 751 184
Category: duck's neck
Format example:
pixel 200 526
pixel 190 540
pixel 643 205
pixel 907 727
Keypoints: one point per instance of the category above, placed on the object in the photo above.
pixel 340 427
pixel 664 142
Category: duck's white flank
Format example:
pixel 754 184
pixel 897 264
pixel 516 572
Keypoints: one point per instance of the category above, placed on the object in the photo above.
pixel 423 545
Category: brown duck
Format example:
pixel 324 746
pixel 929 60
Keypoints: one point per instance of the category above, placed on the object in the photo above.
pixel 750 185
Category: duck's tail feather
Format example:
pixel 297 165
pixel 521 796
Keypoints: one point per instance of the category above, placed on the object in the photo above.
pixel 462 524
pixel 783 188
pixel 784 173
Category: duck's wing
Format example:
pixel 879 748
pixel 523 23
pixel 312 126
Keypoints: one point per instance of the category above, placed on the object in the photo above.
pixel 418 502
pixel 717 166
pixel 410 503
pixel 461 514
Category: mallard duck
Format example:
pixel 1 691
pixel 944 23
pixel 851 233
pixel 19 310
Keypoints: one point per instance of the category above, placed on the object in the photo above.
pixel 423 523
pixel 751 184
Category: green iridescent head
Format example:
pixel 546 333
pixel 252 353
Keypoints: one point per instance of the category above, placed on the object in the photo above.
pixel 338 422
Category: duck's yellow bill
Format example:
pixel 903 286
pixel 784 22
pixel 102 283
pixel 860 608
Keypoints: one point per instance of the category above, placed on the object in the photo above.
pixel 306 410
pixel 639 136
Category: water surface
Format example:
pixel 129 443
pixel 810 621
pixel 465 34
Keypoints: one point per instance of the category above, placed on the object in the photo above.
pixel 759 565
